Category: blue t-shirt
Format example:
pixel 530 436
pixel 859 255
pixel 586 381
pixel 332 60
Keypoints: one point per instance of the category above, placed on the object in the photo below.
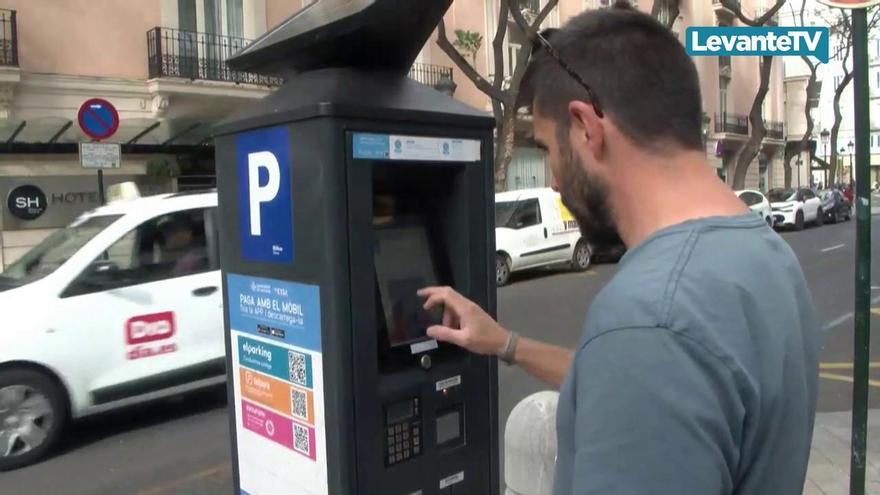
pixel 697 370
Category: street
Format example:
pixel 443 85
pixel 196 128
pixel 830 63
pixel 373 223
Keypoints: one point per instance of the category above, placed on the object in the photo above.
pixel 182 446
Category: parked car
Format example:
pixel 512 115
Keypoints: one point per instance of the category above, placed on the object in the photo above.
pixel 835 205
pixel 534 229
pixel 122 306
pixel 795 207
pixel 758 203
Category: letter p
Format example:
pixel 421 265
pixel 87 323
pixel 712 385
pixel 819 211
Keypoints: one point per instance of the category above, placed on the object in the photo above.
pixel 258 194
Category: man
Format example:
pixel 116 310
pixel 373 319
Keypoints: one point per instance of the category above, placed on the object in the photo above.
pixel 180 246
pixel 697 369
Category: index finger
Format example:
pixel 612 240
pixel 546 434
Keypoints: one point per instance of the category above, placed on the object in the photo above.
pixel 447 296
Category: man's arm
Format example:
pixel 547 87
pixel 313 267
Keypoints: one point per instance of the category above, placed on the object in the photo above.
pixel 548 363
pixel 654 412
pixel 467 325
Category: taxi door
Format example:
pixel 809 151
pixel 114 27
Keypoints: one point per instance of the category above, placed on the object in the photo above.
pixel 147 310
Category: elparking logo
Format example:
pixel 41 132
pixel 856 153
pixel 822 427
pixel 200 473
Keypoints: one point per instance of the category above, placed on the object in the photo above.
pixel 758 41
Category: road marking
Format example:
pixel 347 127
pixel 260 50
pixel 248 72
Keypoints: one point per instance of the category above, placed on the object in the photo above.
pixel 174 486
pixel 842 318
pixel 844 366
pixel 845 378
pixel 832 248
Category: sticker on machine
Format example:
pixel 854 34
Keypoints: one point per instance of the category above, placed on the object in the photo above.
pixel 278 385
pixel 367 146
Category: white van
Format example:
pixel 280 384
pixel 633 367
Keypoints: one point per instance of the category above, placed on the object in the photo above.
pixel 533 229
pixel 123 305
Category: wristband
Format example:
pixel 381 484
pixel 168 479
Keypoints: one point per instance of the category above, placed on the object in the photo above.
pixel 509 354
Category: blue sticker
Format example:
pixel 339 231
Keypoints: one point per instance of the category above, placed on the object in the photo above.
pixel 371 146
pixel 287 365
pixel 286 312
pixel 264 195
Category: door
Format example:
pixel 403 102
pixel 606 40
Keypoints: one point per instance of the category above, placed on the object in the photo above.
pixel 148 309
pixel 530 236
pixel 811 205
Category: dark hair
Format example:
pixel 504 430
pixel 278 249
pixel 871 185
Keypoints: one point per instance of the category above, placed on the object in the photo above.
pixel 638 70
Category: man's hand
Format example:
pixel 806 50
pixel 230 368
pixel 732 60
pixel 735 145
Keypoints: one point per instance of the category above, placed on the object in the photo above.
pixel 464 323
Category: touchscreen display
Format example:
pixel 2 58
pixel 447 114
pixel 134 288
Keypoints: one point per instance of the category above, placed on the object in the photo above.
pixel 403 266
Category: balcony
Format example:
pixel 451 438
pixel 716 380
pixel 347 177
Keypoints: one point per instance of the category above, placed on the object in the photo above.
pixel 775 130
pixel 730 123
pixel 8 39
pixel 203 56
pixel 533 6
pixel 429 74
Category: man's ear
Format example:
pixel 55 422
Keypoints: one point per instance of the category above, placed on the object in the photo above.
pixel 586 127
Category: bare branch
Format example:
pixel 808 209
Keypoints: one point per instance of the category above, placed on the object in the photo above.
pixel 531 29
pixel 471 72
pixel 735 7
pixel 498 48
pixel 545 12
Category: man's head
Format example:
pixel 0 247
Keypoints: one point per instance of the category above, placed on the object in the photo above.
pixel 177 234
pixel 648 95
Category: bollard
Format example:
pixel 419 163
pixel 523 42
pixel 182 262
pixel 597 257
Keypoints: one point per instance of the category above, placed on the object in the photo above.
pixel 530 445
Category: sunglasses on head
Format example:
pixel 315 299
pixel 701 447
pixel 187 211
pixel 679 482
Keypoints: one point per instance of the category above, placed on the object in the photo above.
pixel 541 40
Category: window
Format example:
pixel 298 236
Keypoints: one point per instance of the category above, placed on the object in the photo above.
pixel 55 250
pixel 807 194
pixel 168 246
pixel 527 215
pixel 750 198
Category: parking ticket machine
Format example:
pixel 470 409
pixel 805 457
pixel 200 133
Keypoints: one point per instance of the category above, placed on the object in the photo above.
pixel 341 194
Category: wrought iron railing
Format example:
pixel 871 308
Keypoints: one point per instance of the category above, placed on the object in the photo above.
pixel 732 123
pixel 429 74
pixel 775 130
pixel 8 38
pixel 193 55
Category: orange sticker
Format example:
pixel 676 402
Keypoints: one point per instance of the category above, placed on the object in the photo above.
pixel 283 397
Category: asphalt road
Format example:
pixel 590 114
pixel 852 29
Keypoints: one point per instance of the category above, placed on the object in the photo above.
pixel 181 446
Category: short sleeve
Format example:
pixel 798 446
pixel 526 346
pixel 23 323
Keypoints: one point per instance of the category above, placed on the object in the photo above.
pixel 654 413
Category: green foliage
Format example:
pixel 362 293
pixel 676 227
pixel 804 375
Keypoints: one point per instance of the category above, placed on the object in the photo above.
pixel 468 43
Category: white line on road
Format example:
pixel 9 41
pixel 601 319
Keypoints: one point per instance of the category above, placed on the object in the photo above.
pixel 832 248
pixel 842 318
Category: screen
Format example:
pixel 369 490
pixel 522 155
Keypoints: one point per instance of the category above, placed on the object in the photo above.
pixel 448 427
pixel 403 266
pixel 399 412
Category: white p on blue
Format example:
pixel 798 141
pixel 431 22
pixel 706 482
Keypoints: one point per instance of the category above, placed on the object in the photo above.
pixel 758 41
pixel 260 194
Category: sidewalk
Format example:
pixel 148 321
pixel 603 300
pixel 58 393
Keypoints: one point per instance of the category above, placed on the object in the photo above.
pixel 828 473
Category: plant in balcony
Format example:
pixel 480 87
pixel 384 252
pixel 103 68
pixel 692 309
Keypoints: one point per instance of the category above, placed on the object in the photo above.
pixel 468 43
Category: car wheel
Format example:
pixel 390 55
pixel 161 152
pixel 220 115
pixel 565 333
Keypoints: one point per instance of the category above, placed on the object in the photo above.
pixel 582 257
pixel 769 221
pixel 820 218
pixel 799 221
pixel 33 415
pixel 502 270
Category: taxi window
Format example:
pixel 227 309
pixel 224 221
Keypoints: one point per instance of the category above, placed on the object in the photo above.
pixel 168 246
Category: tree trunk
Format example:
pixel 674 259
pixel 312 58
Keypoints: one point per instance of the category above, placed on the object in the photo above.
pixel 504 148
pixel 835 129
pixel 756 120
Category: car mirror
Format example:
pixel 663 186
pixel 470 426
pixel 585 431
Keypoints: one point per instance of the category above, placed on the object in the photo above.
pixel 103 267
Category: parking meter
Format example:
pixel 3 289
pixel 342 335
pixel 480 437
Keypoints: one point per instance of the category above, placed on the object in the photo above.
pixel 341 194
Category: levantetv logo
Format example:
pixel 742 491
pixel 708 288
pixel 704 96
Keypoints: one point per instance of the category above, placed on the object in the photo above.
pixel 774 41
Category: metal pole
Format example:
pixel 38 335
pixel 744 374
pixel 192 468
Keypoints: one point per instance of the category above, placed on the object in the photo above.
pixel 101 187
pixel 861 349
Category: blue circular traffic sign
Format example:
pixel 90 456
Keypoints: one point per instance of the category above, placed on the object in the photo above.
pixel 98 118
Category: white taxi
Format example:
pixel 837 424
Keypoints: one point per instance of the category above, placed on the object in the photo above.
pixel 124 305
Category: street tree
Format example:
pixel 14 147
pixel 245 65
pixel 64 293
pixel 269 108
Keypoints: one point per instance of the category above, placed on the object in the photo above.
pixel 757 129
pixel 502 91
pixel 841 30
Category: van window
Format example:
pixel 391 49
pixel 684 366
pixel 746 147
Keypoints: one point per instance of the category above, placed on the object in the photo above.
pixel 168 246
pixel 54 251
pixel 527 215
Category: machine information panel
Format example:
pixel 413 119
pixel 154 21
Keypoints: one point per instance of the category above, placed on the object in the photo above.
pixel 278 386
pixel 392 147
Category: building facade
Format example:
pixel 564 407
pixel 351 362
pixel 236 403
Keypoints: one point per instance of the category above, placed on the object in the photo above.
pixel 728 85
pixel 829 77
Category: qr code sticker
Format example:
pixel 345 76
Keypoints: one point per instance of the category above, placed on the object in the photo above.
pixel 301 442
pixel 296 364
pixel 299 404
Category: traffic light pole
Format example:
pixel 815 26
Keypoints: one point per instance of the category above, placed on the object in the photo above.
pixel 861 349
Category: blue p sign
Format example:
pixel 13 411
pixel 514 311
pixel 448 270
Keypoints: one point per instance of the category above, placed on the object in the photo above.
pixel 265 206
